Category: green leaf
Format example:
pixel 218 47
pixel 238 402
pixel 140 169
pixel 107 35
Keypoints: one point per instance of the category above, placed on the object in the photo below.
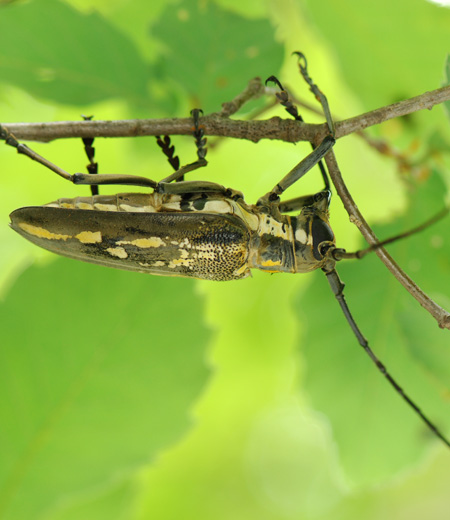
pixel 368 418
pixel 60 54
pixel 387 50
pixel 212 53
pixel 99 369
pixel 447 82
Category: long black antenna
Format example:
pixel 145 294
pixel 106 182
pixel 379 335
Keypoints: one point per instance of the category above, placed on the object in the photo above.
pixel 337 286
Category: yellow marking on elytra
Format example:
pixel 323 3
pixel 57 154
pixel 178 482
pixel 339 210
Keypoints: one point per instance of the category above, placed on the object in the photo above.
pixel 187 262
pixel 89 237
pixel 144 243
pixel 117 251
pixel 158 263
pixel 42 232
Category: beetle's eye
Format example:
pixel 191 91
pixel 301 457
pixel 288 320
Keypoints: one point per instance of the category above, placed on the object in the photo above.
pixel 321 232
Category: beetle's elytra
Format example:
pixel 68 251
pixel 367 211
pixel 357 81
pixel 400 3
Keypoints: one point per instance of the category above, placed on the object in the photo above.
pixel 198 229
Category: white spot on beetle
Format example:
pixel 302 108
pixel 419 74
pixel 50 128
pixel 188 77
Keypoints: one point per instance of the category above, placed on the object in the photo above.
pixel 172 206
pixel 117 251
pixel 136 209
pixel 105 207
pixel 83 205
pixel 300 236
pixel 217 206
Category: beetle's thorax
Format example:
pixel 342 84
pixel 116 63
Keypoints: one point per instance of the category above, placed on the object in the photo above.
pixel 291 244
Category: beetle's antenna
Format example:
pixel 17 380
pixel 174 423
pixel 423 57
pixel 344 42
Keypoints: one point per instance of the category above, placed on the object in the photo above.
pixel 337 286
pixel 340 254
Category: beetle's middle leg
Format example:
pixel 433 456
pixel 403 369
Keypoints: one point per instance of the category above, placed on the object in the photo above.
pixel 200 143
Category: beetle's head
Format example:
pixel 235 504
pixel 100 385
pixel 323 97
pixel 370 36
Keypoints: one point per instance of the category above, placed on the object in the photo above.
pixel 314 238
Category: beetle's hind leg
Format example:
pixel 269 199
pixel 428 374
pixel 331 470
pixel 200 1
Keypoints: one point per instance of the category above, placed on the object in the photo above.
pixel 11 140
pixel 92 166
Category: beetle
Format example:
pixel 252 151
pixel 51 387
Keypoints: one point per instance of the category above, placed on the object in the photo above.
pixel 198 229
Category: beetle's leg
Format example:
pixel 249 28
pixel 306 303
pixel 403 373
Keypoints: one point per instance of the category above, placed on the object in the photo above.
pixel 169 151
pixel 165 186
pixel 92 167
pixel 320 96
pixel 286 206
pixel 193 187
pixel 11 140
pixel 200 142
pixel 298 171
pixel 199 134
pixel 338 290
pixel 291 109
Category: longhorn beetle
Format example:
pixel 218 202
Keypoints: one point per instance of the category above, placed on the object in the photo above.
pixel 198 229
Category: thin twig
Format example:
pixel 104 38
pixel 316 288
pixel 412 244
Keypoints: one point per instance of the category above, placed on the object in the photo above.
pixel 216 125
pixel 253 90
pixel 440 314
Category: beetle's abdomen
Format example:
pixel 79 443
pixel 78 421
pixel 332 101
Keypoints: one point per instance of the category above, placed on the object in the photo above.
pixel 198 245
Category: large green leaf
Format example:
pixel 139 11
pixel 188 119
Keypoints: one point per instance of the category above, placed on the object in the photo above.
pixel 99 369
pixel 213 53
pixel 387 50
pixel 58 53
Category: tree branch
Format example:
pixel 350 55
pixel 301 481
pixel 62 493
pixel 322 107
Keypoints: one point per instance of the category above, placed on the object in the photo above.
pixel 219 124
pixel 440 314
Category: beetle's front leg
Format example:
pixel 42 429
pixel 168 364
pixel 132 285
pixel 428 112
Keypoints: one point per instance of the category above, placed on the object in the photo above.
pixel 298 171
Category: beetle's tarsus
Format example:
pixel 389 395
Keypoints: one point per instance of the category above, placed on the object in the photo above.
pixel 199 133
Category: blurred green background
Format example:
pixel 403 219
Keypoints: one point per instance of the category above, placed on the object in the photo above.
pixel 129 396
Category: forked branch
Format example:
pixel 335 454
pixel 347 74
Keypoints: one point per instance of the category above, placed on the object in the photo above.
pixel 440 314
pixel 219 124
